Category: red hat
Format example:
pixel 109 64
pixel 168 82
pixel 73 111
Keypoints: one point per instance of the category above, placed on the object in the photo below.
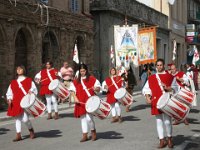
pixel 169 65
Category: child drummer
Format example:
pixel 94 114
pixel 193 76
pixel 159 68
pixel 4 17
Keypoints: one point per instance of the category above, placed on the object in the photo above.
pixel 17 89
pixel 85 86
pixel 44 77
pixel 110 85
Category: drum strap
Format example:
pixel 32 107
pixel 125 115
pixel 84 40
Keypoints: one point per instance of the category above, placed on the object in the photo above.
pixel 49 75
pixel 85 88
pixel 159 83
pixel 113 81
pixel 21 87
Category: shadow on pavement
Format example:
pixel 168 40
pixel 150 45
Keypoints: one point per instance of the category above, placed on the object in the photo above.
pixel 193 121
pixel 4 130
pixel 139 107
pixel 195 130
pixel 194 111
pixel 66 115
pixel 130 118
pixel 109 135
pixel 188 142
pixel 47 134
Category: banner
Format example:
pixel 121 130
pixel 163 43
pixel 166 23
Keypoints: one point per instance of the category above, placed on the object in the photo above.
pixel 75 55
pixel 126 45
pixel 147 45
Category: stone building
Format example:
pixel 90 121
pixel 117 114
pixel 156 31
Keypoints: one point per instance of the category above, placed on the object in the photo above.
pixel 108 13
pixel 30 36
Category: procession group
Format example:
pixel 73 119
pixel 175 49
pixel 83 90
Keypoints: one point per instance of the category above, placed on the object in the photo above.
pixel 169 92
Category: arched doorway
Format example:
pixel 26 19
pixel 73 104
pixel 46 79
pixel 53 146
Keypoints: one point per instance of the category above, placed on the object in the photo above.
pixel 3 74
pixel 50 48
pixel 24 51
pixel 21 49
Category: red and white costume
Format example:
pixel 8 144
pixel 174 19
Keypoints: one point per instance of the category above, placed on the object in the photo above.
pixel 84 90
pixel 16 91
pixel 153 88
pixel 113 83
pixel 46 76
pixel 190 75
pixel 176 84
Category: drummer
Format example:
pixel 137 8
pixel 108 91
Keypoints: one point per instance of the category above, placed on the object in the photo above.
pixel 155 86
pixel 44 77
pixel 110 85
pixel 85 86
pixel 17 89
pixel 180 81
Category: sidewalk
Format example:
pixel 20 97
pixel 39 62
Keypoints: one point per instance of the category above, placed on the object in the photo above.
pixel 61 107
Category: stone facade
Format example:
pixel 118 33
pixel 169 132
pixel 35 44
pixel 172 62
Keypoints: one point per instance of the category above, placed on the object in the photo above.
pixel 108 13
pixel 24 39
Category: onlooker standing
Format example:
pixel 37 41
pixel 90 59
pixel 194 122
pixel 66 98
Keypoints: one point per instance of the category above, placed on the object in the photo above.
pixel 67 74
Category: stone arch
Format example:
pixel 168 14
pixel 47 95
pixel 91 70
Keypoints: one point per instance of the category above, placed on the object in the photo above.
pixel 24 49
pixel 50 48
pixel 3 64
pixel 81 48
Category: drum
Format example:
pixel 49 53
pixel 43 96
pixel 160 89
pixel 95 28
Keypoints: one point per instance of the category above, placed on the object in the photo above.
pixel 59 89
pixel 173 107
pixel 98 107
pixel 33 105
pixel 123 97
pixel 185 96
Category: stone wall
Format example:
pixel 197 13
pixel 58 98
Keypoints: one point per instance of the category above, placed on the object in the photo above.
pixel 57 39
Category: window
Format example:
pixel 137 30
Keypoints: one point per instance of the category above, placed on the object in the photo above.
pixel 74 6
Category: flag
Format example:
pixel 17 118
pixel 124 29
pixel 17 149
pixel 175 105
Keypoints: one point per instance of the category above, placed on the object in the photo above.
pixel 171 2
pixel 75 55
pixel 174 50
pixel 195 56
pixel 112 58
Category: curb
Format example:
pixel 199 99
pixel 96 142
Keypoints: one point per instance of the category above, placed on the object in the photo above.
pixel 64 107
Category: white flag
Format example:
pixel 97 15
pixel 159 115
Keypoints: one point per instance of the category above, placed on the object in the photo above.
pixel 195 56
pixel 112 58
pixel 174 50
pixel 171 2
pixel 75 55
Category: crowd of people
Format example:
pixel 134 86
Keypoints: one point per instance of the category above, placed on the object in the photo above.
pixel 82 85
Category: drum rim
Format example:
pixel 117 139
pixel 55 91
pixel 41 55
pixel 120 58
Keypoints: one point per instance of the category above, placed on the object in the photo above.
pixel 50 87
pixel 118 90
pixel 30 104
pixel 165 101
pixel 87 103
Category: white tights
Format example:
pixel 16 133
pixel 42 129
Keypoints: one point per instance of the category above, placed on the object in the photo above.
pixel 116 110
pixel 87 122
pixel 160 121
pixel 51 99
pixel 22 118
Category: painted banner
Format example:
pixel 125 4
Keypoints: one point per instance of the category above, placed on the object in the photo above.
pixel 147 45
pixel 126 50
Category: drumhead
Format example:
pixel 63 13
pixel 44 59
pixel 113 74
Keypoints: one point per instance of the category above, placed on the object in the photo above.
pixel 92 104
pixel 53 84
pixel 120 93
pixel 163 100
pixel 27 100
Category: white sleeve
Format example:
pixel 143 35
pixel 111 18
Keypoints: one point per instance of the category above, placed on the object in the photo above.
pixel 72 87
pixel 34 88
pixel 9 93
pixel 104 84
pixel 97 83
pixel 185 79
pixel 146 89
pixel 38 75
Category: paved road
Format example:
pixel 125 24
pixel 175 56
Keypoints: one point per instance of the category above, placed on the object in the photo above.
pixel 137 132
